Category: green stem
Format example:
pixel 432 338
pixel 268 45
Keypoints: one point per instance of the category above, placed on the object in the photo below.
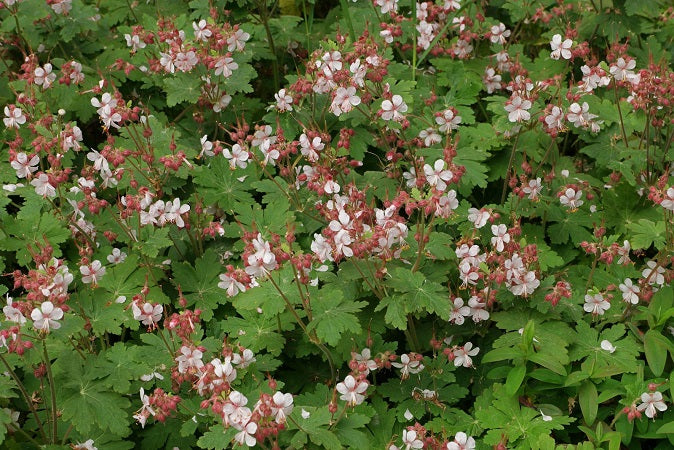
pixel 413 11
pixel 510 166
pixel 264 18
pixel 52 390
pixel 26 397
pixel 347 17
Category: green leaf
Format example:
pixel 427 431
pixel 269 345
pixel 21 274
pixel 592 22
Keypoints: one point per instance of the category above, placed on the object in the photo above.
pixel 587 398
pixel 217 438
pixel 334 316
pixel 396 313
pixel 656 347
pixel 646 232
pixel 219 185
pixel 182 88
pixel 199 282
pixel 420 293
pixel 514 379
pixel 667 428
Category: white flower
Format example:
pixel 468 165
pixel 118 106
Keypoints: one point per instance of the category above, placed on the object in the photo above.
pixel 462 355
pixel 410 440
pixel 283 101
pixel 387 6
pixel 478 217
pixel 352 390
pixel 667 202
pixel 499 34
pixel 477 309
pixel 89 443
pixel 630 292
pixel 651 403
pixel 201 32
pixel 13 314
pixel 654 273
pixel 448 121
pixel 518 109
pixel 430 137
pixel 623 70
pixel 305 414
pixel 501 237
pixel 134 42
pixel 461 442
pixel 408 415
pixel 408 366
pixel 93 272
pixel 491 80
pixel 231 285
pixel 596 304
pixel 237 41
pixel 606 345
pixel 393 109
pixel 225 66
pixel 25 167
pixel 459 312
pixel 560 48
pixel 571 198
pixel 437 175
pixel 533 189
pixel 45 318
pixel 247 435
pixel 149 315
pixel 580 116
pixel 344 101
pixel 43 186
pixel 117 256
pixel 238 157
pixel 15 117
pixel 43 76
pixel 282 406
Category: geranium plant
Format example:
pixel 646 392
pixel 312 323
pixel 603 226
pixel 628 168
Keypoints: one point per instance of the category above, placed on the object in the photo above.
pixel 371 224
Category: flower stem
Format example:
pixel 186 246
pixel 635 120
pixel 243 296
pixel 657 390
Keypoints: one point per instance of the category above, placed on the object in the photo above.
pixel 52 391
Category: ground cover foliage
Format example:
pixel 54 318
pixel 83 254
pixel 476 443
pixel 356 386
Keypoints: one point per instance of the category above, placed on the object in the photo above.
pixel 371 224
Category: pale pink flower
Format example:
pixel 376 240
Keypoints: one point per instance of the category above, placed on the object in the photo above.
pixel 283 101
pixel 652 403
pixel 135 42
pixel 533 188
pixel 596 304
pixel 237 41
pixel 43 186
pixel 238 157
pixel 560 49
pixel 491 80
pixel 499 34
pixel 501 236
pixel 25 167
pixel 352 391
pixel 630 292
pixel 462 355
pixel 571 198
pixel 231 285
pixel 518 109
pixel 344 101
pixel 225 66
pixel 201 31
pixel 393 109
pixel 438 175
pixel 461 442
pixel 92 273
pixel 448 121
pixel 148 314
pixel 45 318
pixel 459 312
pixel 14 117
